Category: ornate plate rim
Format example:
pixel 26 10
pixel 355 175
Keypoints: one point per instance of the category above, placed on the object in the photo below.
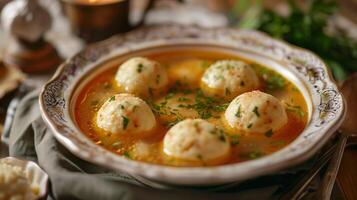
pixel 202 175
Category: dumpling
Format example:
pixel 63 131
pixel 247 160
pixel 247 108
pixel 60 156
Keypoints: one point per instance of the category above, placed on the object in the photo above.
pixel 142 77
pixel 228 79
pixel 197 140
pixel 175 107
pixel 187 73
pixel 255 112
pixel 126 114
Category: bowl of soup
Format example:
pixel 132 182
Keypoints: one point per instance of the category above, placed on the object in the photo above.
pixel 185 105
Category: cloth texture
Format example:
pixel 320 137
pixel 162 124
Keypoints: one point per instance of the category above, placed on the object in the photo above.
pixel 73 178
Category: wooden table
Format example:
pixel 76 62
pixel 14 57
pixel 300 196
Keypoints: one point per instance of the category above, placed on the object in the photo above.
pixel 347 175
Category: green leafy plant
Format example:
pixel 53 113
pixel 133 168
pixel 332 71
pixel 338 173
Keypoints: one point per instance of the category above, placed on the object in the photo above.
pixel 305 28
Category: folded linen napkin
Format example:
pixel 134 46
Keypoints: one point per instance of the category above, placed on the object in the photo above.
pixel 73 178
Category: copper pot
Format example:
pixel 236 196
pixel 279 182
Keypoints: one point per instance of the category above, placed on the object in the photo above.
pixel 97 21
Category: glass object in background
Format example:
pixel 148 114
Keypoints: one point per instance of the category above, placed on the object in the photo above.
pixel 95 20
pixel 26 22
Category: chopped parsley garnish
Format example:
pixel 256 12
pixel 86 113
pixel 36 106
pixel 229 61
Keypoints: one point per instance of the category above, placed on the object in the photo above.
pixel 272 79
pixel 295 109
pixel 169 96
pixel 221 134
pixel 222 138
pixel 122 107
pixel 250 125
pixel 238 113
pixel 171 124
pixel 127 154
pixel 221 107
pixel 182 99
pixel 234 140
pixel 206 107
pixel 140 68
pixel 269 133
pixel 255 110
pixel 275 82
pixel 205 64
pixel 112 98
pixel 125 122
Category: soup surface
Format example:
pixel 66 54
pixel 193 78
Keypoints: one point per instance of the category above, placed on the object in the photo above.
pixel 190 65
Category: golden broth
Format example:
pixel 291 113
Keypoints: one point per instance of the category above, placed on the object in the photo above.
pixel 149 149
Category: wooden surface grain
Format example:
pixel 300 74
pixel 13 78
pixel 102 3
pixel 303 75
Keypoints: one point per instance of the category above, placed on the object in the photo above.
pixel 347 175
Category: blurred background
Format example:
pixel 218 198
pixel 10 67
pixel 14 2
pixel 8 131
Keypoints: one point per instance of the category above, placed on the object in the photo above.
pixel 37 35
pixel 327 27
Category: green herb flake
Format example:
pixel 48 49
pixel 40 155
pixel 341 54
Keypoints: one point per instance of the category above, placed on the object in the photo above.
pixel 255 110
pixel 127 154
pixel 112 98
pixel 169 96
pixel 234 140
pixel 222 138
pixel 275 82
pixel 182 99
pixel 238 113
pixel 205 64
pixel 250 125
pixel 140 68
pixel 221 134
pixel 295 109
pixel 269 133
pixel 221 107
pixel 172 123
pixel 125 122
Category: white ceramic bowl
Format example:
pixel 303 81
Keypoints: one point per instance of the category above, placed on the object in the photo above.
pixel 325 103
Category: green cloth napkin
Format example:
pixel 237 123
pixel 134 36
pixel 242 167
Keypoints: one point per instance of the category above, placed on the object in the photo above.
pixel 73 178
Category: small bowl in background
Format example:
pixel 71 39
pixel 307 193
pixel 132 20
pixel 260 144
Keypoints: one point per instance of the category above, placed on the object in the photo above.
pixel 36 176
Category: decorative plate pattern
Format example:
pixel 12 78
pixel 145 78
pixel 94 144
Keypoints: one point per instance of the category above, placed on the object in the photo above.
pixel 326 114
